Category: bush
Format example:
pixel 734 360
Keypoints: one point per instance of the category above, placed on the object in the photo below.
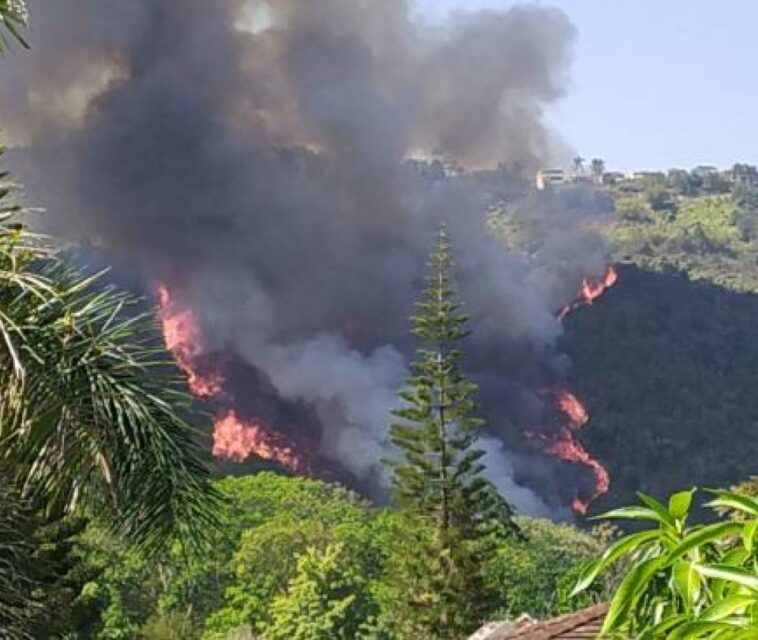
pixel 535 575
pixel 684 581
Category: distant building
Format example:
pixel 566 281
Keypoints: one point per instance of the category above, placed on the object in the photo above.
pixel 647 175
pixel 745 174
pixel 550 177
pixel 612 177
pixel 704 171
pixel 582 179
pixel 630 186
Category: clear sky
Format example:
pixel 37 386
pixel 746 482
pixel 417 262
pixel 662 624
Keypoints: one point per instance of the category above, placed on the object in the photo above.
pixel 656 83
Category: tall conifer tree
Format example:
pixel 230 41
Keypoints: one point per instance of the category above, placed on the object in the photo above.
pixel 440 472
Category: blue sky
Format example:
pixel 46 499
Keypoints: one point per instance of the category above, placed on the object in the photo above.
pixel 656 83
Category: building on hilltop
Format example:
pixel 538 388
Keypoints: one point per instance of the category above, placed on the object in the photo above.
pixel 704 171
pixel 647 175
pixel 581 179
pixel 549 178
pixel 744 174
pixel 612 177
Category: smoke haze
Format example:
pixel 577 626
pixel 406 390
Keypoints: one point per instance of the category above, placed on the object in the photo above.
pixel 251 156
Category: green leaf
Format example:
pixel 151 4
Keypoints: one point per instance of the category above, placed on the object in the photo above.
pixel 628 593
pixel 696 629
pixel 699 537
pixel 660 630
pixel 687 582
pixel 748 534
pixel 626 545
pixel 679 503
pixel 656 506
pixel 727 607
pixel 735 558
pixel 729 500
pixel 631 513
pixel 740 576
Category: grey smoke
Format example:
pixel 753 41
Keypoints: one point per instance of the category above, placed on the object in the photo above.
pixel 251 155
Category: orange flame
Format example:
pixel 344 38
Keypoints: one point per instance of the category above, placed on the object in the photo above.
pixel 182 337
pixel 233 437
pixel 564 445
pixel 591 290
pixel 237 439
pixel 573 408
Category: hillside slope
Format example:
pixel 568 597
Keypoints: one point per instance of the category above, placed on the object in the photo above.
pixel 667 361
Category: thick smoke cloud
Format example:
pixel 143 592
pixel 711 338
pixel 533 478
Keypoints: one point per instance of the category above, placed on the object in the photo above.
pixel 251 154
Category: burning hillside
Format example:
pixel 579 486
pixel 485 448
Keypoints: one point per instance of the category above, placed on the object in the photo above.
pixel 238 439
pixel 564 444
pixel 590 291
pixel 254 157
pixel 234 438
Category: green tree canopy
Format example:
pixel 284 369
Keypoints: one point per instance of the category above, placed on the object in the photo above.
pixel 325 600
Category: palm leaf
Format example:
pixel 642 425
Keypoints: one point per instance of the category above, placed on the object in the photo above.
pixel 91 406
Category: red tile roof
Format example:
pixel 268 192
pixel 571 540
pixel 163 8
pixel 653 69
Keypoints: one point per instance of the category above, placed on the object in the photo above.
pixel 580 625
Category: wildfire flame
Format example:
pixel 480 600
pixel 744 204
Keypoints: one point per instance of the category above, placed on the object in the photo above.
pixel 564 445
pixel 182 337
pixel 591 290
pixel 237 439
pixel 573 408
pixel 234 438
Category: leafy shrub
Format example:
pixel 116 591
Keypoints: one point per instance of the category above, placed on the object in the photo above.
pixel 535 574
pixel 684 581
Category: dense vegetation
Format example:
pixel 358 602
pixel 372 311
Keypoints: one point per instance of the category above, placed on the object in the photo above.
pixel 665 361
pixel 710 238
pixel 294 554
pixel 684 581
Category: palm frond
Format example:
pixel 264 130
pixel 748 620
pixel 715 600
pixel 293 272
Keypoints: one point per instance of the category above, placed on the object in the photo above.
pixel 13 20
pixel 16 582
pixel 91 407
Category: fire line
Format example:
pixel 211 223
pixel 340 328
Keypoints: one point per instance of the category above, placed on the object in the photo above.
pixel 234 438
pixel 564 445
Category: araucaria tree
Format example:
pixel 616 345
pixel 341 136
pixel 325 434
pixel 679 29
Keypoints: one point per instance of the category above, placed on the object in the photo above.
pixel 439 474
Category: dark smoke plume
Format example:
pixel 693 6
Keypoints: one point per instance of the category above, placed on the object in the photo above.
pixel 251 155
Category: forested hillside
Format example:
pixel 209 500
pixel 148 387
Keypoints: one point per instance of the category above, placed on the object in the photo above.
pixel 666 360
pixel 252 580
pixel 708 238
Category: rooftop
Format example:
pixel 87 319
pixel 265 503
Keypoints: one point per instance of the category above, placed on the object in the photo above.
pixel 580 625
